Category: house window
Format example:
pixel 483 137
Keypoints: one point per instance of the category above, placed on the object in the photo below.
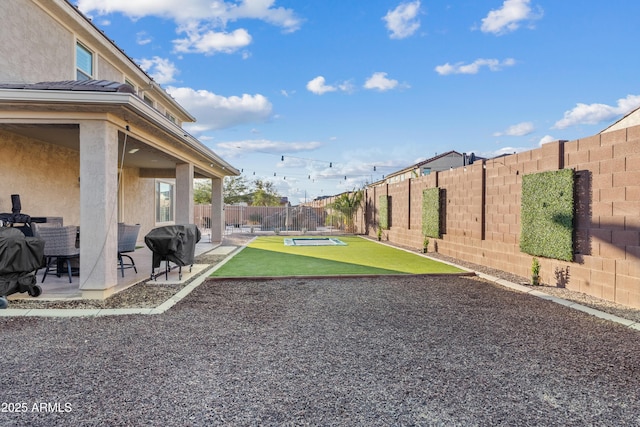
pixel 426 171
pixel 164 201
pixel 84 63
pixel 127 81
pixel 147 100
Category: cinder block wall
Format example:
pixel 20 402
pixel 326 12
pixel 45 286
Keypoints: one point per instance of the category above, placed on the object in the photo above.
pixel 482 213
pixel 608 262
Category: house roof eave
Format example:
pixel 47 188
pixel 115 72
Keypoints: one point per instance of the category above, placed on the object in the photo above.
pixel 61 98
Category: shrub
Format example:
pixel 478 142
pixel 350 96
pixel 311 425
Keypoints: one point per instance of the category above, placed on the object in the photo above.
pixel 535 272
pixel 255 218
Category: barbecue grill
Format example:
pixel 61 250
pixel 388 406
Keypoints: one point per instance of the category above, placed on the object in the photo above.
pixel 20 257
pixel 172 243
pixel 15 218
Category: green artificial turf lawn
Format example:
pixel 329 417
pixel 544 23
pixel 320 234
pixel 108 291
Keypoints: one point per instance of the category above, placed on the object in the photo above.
pixel 268 256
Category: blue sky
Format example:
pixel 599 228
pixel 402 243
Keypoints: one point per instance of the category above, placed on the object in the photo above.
pixel 340 86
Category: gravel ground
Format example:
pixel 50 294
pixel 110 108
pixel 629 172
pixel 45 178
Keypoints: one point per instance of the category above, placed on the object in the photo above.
pixel 151 295
pixel 587 300
pixel 340 352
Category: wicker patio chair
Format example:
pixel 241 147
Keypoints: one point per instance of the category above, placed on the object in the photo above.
pixel 59 245
pixel 127 239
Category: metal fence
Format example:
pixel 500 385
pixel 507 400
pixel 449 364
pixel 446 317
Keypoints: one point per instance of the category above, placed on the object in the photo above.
pixel 277 219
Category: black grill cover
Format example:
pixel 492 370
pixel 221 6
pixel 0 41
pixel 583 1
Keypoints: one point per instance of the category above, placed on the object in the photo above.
pixel 18 253
pixel 175 243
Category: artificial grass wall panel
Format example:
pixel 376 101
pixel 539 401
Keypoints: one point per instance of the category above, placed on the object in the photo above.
pixel 547 212
pixel 383 212
pixel 431 212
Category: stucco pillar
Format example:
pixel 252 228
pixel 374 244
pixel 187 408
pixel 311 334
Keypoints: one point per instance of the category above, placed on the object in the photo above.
pixel 98 204
pixel 217 210
pixel 184 194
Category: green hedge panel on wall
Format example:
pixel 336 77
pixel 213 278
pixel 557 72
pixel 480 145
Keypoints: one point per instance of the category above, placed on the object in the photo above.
pixel 431 212
pixel 383 212
pixel 547 214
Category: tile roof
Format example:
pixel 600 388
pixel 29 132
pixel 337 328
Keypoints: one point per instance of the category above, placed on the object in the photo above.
pixel 74 85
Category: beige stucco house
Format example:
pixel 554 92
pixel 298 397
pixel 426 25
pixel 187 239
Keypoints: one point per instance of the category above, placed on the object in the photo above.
pixel 88 136
pixel 439 162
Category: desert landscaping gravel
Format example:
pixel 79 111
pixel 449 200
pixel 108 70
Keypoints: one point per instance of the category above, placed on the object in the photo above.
pixel 384 351
pixel 151 295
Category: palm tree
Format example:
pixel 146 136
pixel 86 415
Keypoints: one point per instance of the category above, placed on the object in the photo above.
pixel 347 205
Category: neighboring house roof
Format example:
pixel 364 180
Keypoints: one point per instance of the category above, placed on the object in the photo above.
pixel 469 159
pixel 422 163
pixel 431 160
pixel 631 119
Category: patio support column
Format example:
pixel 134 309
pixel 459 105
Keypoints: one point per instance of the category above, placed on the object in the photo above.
pixel 184 194
pixel 98 203
pixel 217 210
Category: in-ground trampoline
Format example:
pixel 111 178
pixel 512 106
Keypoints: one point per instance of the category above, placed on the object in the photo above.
pixel 314 241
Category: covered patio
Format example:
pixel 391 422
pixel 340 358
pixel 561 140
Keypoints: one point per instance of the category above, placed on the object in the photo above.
pixel 95 154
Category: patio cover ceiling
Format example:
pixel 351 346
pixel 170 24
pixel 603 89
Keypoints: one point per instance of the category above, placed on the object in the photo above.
pixel 137 154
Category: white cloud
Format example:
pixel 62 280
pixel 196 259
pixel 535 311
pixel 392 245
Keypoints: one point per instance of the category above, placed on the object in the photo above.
pixel 474 67
pixel 237 148
pixel 143 38
pixel 545 139
pixel 293 162
pixel 211 42
pixel 217 13
pixel 402 21
pixel 591 114
pixel 218 112
pixel 203 21
pixel 520 129
pixel 162 70
pixel 319 86
pixel 264 10
pixel 346 86
pixel 379 81
pixel 509 17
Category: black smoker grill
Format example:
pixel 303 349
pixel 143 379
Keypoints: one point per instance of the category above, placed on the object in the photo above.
pixel 20 258
pixel 15 217
pixel 172 243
